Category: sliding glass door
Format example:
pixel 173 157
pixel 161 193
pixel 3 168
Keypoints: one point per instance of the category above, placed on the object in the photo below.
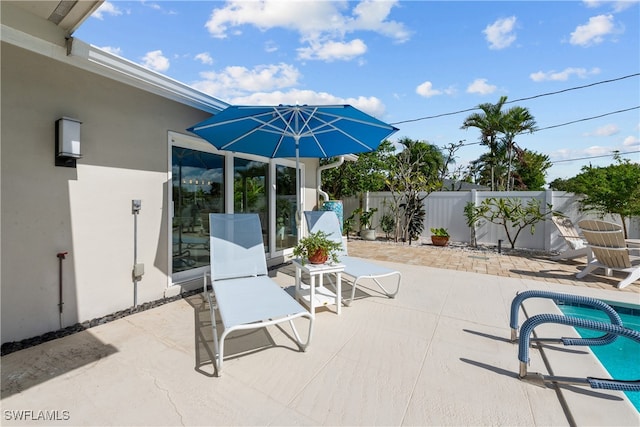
pixel 286 231
pixel 250 183
pixel 197 190
pixel 205 180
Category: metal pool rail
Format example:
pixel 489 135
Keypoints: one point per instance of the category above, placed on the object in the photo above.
pixel 567 298
pixel 613 330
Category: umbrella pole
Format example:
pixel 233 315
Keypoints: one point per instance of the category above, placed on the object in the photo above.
pixel 298 196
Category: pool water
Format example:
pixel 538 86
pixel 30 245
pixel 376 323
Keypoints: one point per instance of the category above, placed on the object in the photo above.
pixel 622 357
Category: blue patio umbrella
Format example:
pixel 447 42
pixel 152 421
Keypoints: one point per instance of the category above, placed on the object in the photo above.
pixel 315 131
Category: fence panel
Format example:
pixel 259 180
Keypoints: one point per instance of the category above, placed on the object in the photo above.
pixel 446 209
pixel 490 234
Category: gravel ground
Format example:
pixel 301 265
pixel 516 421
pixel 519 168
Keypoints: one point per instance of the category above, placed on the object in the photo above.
pixel 10 347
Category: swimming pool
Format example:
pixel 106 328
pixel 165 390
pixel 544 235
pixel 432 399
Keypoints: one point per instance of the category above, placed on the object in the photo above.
pixel 622 357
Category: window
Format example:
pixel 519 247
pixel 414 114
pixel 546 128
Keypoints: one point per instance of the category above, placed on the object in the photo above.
pixel 205 180
pixel 198 189
pixel 286 229
pixel 250 191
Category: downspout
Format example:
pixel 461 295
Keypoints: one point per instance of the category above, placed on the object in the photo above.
pixel 324 195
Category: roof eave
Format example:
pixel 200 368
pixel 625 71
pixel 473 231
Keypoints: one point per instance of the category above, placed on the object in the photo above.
pixel 95 60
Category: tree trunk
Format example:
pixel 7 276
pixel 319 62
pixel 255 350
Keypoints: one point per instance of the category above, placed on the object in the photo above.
pixel 624 226
pixel 509 168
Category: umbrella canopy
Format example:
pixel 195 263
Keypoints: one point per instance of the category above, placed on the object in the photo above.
pixel 276 131
pixel 316 131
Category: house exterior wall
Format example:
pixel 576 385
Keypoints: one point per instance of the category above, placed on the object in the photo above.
pixel 129 116
pixel 85 211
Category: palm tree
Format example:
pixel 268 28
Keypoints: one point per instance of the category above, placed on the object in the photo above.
pixel 515 121
pixel 490 124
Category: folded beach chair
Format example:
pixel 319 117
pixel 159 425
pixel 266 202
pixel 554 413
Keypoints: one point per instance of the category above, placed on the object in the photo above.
pixel 357 268
pixel 242 292
pixel 610 250
pixel 576 243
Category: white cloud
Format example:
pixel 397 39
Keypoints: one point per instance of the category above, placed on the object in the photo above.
pixel 270 46
pixel 481 87
pixel 370 105
pixel 617 6
pixel 631 142
pixel 501 34
pixel 426 89
pixel 372 16
pixel 320 17
pixel 593 31
pixel 154 6
pixel 333 50
pixel 205 58
pixel 322 29
pixel 561 154
pixel 606 130
pixel 156 61
pixel 113 50
pixel 563 75
pixel 238 81
pixel 597 150
pixel 107 8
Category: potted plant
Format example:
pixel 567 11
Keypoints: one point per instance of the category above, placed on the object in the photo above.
pixel 367 232
pixel 317 248
pixel 439 236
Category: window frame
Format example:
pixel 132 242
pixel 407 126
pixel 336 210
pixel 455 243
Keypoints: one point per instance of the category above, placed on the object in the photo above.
pixel 199 144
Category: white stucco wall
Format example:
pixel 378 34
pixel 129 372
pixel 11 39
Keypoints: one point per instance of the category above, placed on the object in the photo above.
pixel 85 211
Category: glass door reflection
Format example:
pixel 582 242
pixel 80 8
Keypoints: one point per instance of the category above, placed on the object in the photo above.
pixel 250 191
pixel 286 230
pixel 198 189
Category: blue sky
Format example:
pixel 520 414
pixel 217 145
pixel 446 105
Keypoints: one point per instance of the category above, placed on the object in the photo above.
pixel 406 60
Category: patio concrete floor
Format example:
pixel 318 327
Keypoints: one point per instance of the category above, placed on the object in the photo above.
pixel 437 354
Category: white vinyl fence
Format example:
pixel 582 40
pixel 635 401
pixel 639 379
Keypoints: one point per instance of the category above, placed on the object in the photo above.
pixel 446 209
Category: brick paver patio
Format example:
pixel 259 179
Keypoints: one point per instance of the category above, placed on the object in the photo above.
pixel 521 264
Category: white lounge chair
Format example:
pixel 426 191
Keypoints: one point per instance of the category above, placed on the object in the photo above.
pixel 610 251
pixel 242 292
pixel 576 243
pixel 357 268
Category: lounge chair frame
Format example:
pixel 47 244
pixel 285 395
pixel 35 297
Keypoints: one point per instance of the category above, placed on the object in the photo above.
pixel 610 251
pixel 241 291
pixel 577 244
pixel 356 268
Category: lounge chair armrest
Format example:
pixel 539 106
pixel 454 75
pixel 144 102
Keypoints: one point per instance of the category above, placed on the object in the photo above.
pixel 608 248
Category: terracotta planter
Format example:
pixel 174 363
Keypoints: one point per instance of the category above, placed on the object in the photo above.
pixel 319 257
pixel 439 240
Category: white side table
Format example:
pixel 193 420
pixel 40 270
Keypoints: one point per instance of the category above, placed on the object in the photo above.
pixel 316 296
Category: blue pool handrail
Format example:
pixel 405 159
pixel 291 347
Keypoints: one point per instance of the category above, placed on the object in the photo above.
pixel 596 383
pixel 566 298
